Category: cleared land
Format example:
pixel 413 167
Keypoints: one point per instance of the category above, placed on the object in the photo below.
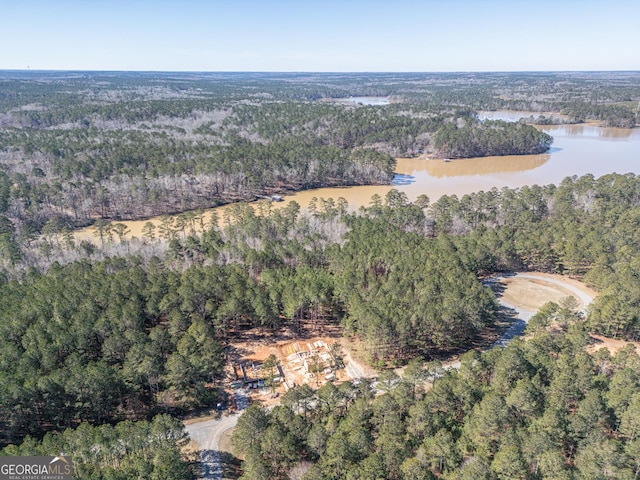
pixel 614 346
pixel 530 291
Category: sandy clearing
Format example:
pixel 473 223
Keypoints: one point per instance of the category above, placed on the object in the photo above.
pixel 530 291
pixel 614 346
pixel 525 293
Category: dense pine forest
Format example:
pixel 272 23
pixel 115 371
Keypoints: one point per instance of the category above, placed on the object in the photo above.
pixel 103 344
pixel 539 409
pixel 102 341
pixel 121 452
pixel 490 138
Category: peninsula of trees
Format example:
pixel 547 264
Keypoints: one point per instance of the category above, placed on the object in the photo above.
pixel 490 138
pixel 76 147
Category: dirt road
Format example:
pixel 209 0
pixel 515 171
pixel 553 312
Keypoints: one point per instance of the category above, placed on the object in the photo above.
pixel 525 293
pixel 207 435
pixel 538 288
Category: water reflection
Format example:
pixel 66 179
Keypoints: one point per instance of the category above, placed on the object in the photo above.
pixel 484 165
pixel 593 131
pixel 403 179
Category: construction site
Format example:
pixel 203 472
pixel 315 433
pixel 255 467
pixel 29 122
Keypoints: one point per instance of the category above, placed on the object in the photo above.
pixel 311 361
pixel 267 369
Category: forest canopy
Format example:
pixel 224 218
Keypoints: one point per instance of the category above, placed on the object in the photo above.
pixel 538 409
pixel 76 147
pixel 490 138
pixel 140 334
pixel 121 452
pixel 101 342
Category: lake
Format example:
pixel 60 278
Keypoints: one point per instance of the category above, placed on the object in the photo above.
pixel 376 101
pixel 576 150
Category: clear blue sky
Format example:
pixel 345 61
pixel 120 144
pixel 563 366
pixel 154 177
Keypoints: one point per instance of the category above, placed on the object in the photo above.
pixel 326 35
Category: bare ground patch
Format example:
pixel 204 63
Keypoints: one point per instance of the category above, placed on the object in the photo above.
pixel 613 345
pixel 536 289
pixel 532 293
pixel 256 345
pixel 224 444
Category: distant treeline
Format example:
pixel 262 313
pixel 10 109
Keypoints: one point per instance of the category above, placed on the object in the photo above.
pixel 81 146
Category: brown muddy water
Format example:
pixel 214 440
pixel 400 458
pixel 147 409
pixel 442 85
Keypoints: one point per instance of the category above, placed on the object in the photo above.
pixel 576 150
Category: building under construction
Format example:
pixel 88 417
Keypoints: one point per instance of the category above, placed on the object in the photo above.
pixel 253 375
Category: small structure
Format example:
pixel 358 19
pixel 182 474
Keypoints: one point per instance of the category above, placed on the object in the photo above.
pixel 273 198
pixel 311 361
pixel 254 376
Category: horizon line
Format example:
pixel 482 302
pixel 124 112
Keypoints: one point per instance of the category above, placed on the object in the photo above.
pixel 54 70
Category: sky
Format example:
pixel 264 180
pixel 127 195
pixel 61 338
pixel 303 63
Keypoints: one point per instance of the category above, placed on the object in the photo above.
pixel 320 36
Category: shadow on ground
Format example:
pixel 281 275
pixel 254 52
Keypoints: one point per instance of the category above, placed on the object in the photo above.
pixel 231 466
pixel 218 465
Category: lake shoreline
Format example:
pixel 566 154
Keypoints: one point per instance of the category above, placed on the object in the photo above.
pixel 573 146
